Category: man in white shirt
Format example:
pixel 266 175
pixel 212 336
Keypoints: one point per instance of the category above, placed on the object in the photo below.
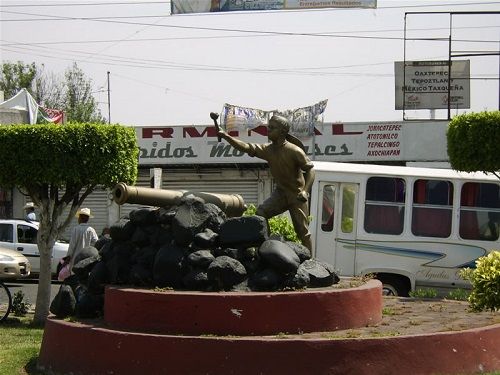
pixel 30 211
pixel 82 235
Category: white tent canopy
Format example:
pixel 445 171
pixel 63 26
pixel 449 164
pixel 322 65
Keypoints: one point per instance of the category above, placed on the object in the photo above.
pixel 23 101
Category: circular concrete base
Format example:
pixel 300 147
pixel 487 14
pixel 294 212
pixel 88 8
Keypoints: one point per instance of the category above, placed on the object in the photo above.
pixel 146 332
pixel 82 349
pixel 243 313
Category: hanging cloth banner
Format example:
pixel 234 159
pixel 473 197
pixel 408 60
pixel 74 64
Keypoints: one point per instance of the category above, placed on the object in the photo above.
pixel 207 6
pixel 46 115
pixel 239 118
pixel 302 120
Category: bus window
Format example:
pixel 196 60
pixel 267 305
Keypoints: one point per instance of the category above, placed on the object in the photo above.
pixel 432 208
pixel 348 200
pixel 327 215
pixel 384 206
pixel 480 211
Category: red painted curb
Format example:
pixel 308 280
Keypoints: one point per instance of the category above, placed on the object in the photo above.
pixel 243 313
pixel 84 349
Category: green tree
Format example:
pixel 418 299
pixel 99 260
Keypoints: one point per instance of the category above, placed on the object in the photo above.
pixel 73 93
pixel 15 76
pixel 473 141
pixel 79 102
pixel 58 167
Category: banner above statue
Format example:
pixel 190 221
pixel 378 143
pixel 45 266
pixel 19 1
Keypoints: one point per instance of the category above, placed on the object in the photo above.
pixel 206 6
pixel 302 120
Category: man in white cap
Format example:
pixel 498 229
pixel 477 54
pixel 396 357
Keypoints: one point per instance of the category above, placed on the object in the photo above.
pixel 82 235
pixel 30 211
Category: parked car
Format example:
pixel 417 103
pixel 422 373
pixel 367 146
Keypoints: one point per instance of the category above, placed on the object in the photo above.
pixel 13 265
pixel 21 235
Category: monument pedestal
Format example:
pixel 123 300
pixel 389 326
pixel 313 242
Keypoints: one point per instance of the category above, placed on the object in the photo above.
pixel 148 332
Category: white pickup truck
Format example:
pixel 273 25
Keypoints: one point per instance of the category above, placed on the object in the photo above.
pixel 21 235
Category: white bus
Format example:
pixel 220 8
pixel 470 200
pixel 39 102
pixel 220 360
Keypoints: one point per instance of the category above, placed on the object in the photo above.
pixel 410 227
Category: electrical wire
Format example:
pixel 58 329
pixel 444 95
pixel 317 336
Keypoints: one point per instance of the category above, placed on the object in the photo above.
pixel 168 2
pixel 332 33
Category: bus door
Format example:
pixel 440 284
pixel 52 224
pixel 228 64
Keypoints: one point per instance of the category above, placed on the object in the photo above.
pixel 335 240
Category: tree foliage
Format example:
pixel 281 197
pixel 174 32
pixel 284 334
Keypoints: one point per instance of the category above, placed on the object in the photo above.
pixel 473 142
pixel 485 279
pixel 15 76
pixel 279 225
pixel 79 102
pixel 73 93
pixel 58 167
pixel 69 155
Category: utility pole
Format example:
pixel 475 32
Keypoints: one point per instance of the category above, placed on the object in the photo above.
pixel 109 103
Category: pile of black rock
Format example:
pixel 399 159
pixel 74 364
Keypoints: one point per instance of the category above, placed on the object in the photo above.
pixel 192 246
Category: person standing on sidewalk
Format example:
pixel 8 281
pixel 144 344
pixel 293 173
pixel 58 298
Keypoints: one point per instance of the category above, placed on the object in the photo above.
pixel 82 235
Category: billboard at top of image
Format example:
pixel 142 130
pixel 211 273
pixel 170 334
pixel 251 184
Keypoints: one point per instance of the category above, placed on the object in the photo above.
pixel 206 6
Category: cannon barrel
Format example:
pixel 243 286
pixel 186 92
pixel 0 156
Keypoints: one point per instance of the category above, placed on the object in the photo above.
pixel 232 204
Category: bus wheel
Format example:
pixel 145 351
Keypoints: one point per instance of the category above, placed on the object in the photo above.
pixel 389 290
pixel 394 285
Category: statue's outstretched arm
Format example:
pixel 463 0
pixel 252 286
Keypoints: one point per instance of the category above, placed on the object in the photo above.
pixel 236 143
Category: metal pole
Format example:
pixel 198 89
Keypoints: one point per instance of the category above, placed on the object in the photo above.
pixel 109 103
pixel 404 71
pixel 449 68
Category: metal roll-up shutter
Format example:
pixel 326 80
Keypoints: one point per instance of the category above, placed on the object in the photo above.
pixel 247 189
pixel 245 183
pixel 98 201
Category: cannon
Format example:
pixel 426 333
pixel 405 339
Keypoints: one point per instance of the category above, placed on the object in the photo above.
pixel 232 204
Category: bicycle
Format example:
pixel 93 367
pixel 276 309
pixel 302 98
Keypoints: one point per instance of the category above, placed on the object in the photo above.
pixel 5 301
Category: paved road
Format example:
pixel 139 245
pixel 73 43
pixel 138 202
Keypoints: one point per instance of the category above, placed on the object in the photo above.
pixel 30 287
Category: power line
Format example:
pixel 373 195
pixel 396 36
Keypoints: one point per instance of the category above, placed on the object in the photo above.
pixel 166 65
pixel 94 41
pixel 168 2
pixel 109 18
pixel 287 33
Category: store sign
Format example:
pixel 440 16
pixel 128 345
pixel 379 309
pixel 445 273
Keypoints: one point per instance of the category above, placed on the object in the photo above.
pixel 424 84
pixel 349 142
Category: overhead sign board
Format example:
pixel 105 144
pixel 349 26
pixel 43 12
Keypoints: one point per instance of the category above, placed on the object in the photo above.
pixel 424 84
pixel 206 6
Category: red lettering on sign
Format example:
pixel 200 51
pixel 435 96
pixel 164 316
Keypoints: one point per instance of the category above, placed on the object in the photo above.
pixel 160 132
pixel 192 132
pixel 338 129
pixel 262 130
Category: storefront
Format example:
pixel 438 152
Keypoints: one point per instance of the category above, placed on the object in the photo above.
pixel 191 158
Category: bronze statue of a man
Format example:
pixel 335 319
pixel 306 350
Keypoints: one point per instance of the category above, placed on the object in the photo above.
pixel 292 171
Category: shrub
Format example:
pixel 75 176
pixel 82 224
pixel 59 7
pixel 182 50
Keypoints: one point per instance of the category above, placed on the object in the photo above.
pixel 424 293
pixel 458 294
pixel 277 225
pixel 485 280
pixel 473 140
pixel 19 307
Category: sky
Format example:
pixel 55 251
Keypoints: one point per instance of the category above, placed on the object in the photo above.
pixel 175 69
